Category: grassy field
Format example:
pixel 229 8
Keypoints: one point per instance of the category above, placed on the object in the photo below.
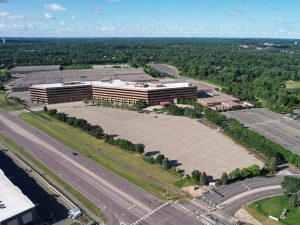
pixel 9 104
pixel 273 206
pixel 292 84
pixel 130 166
pixel 31 160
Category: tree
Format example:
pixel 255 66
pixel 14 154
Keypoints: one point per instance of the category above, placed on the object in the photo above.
pixel 295 199
pixel 52 112
pixel 99 132
pixel 138 105
pixel 254 170
pixel 235 174
pixel 203 179
pixel 140 148
pixel 159 159
pixel 290 184
pixel 166 164
pixel 196 174
pixel 224 179
pixel 272 165
pixel 107 137
pixel 1 86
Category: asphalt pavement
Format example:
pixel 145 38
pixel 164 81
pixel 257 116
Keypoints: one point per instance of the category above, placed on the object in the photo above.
pixel 119 200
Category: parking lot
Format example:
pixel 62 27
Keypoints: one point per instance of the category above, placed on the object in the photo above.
pixel 190 143
pixel 277 127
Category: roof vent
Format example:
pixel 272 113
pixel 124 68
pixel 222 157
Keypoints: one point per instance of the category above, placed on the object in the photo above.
pixel 2 206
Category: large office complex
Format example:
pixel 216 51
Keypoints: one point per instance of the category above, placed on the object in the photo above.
pixel 60 92
pixel 113 90
pixel 15 207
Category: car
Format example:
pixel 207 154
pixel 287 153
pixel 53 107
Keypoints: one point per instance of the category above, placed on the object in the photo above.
pixel 74 153
pixel 75 213
pixel 91 223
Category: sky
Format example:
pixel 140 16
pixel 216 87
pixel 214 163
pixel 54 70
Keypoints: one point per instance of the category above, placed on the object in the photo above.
pixel 150 18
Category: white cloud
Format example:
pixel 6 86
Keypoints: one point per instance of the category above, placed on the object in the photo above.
pixel 55 7
pixel 280 20
pixel 4 14
pixel 62 23
pixel 236 13
pixel 17 17
pixel 2 26
pixel 98 10
pixel 105 29
pixel 48 16
pixel 73 17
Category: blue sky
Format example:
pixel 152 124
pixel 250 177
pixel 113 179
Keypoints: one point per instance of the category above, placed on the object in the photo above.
pixel 150 18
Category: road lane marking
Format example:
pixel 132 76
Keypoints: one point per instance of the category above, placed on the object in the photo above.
pixel 150 213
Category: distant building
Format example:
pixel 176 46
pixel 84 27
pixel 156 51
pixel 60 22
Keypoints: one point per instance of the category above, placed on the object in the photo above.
pixel 113 90
pixel 219 100
pixel 31 69
pixel 3 41
pixel 15 207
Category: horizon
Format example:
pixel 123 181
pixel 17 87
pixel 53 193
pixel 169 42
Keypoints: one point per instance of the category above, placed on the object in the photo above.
pixel 274 19
pixel 221 38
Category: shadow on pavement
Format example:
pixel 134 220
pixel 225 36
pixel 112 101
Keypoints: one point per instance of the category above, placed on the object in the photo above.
pixel 47 206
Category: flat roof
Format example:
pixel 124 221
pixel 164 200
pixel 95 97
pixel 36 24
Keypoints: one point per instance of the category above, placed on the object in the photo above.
pixel 29 69
pixel 218 97
pixel 117 83
pixel 48 77
pixel 13 198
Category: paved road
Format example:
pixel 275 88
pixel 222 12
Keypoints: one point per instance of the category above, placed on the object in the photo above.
pixel 256 188
pixel 233 207
pixel 119 200
pixel 234 189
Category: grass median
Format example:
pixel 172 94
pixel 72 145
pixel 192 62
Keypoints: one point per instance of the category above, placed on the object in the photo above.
pixel 274 206
pixel 31 160
pixel 127 165
pixel 10 104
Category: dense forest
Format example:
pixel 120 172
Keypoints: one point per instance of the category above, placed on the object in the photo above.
pixel 250 69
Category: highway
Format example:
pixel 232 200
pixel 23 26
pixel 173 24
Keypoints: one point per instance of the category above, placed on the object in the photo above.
pixel 119 200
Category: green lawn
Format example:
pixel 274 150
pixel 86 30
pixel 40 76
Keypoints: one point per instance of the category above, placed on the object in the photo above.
pixel 273 206
pixel 10 104
pixel 292 84
pixel 31 160
pixel 130 166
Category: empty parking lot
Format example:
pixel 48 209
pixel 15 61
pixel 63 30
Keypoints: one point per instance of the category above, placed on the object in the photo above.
pixel 191 143
pixel 277 127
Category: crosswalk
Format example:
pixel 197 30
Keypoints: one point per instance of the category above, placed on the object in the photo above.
pixel 149 214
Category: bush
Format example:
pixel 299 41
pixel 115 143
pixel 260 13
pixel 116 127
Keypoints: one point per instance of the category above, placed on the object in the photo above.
pixel 52 112
pixel 196 174
pixel 149 159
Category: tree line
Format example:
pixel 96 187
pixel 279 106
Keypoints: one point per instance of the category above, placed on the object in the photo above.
pixel 4 76
pixel 254 75
pixel 252 139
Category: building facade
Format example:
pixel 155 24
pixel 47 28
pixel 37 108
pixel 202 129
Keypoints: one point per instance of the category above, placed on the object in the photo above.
pixel 59 93
pixel 115 91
